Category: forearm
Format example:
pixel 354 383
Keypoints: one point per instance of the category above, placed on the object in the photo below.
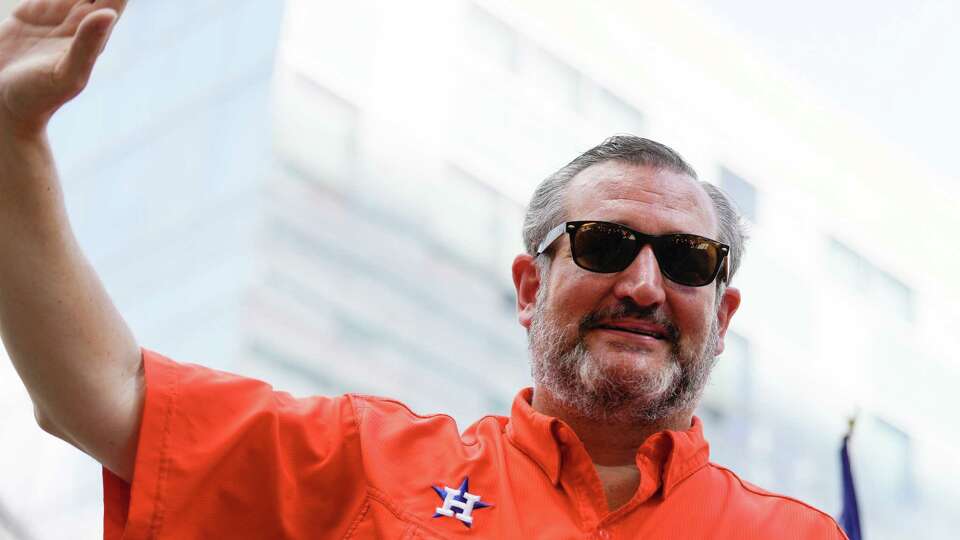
pixel 73 350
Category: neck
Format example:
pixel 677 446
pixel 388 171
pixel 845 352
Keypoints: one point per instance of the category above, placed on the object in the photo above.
pixel 609 444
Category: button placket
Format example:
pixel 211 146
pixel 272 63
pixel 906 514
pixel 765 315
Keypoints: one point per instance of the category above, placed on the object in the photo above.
pixel 579 476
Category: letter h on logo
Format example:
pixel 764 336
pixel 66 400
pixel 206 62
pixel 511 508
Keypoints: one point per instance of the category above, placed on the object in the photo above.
pixel 459 503
pixel 450 502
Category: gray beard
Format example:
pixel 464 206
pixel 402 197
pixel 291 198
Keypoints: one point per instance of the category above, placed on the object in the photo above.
pixel 595 391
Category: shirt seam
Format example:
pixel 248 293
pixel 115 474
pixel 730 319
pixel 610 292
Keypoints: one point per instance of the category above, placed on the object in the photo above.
pixel 686 471
pixel 359 410
pixel 163 468
pixel 764 493
pixel 404 406
pixel 359 518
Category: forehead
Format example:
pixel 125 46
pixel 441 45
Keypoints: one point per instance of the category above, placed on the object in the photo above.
pixel 651 200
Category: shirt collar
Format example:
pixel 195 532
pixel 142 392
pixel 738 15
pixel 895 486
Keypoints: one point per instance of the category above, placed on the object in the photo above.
pixel 665 458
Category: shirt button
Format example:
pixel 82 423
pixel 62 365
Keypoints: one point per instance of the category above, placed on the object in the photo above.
pixel 601 534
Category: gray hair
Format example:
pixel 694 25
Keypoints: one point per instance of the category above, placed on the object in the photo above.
pixel 547 208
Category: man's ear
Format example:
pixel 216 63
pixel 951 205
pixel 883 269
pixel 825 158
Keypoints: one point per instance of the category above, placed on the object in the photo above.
pixel 729 303
pixel 526 279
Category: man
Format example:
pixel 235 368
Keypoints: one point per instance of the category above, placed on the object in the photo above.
pixel 624 290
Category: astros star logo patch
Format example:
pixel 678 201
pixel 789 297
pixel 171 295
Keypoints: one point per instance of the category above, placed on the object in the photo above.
pixel 459 503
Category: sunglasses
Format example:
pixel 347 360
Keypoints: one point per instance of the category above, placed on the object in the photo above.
pixel 600 246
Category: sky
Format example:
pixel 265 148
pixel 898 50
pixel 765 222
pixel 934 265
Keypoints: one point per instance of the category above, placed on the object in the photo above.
pixel 893 64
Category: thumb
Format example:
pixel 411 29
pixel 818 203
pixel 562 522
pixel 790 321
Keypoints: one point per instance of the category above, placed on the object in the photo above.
pixel 88 42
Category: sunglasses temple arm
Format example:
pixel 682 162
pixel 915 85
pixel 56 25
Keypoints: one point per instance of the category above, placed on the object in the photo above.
pixel 551 236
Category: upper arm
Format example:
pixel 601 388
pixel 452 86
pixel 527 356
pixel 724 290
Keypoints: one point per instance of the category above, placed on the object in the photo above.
pixel 106 425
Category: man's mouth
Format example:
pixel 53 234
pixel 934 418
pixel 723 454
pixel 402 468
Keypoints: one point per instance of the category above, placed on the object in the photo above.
pixel 643 330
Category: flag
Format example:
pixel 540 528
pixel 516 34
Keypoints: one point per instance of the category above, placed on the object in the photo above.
pixel 850 515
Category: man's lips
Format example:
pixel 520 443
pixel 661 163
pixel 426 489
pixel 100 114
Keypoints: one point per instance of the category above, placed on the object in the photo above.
pixel 635 327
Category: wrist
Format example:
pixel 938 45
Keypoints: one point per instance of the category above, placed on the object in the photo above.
pixel 22 151
pixel 28 176
pixel 22 134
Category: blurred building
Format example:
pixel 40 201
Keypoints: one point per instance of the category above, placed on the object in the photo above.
pixel 339 213
pixel 163 162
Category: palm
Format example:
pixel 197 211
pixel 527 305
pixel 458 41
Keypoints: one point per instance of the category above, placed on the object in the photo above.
pixel 47 49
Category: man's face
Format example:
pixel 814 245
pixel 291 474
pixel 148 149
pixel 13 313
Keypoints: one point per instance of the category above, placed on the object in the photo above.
pixel 589 331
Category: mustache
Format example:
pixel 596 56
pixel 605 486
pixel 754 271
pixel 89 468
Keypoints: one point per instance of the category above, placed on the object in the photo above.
pixel 628 309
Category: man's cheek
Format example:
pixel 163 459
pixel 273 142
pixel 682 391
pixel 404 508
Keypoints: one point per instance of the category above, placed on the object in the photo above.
pixel 688 341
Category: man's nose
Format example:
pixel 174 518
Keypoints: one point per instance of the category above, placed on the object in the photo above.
pixel 642 281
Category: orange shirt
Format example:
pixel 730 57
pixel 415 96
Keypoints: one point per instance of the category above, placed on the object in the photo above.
pixel 222 456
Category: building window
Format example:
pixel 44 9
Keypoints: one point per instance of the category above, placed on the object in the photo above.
pixel 893 295
pixel 551 81
pixel 461 215
pixel 613 113
pixel 728 393
pixel 847 266
pixel 492 38
pixel 857 274
pixel 316 130
pixel 744 194
pixel 888 470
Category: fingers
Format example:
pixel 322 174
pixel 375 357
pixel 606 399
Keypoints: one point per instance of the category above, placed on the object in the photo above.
pixel 88 42
pixel 116 5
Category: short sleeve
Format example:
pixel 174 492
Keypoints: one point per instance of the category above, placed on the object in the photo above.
pixel 223 456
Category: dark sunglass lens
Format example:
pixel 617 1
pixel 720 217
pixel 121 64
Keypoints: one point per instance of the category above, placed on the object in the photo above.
pixel 603 247
pixel 688 260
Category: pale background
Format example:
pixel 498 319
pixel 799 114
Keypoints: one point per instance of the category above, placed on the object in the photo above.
pixel 327 196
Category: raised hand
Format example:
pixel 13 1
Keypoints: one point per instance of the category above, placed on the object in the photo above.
pixel 47 51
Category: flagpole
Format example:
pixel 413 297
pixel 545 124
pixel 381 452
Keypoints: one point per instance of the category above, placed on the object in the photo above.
pixel 851 423
pixel 850 514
